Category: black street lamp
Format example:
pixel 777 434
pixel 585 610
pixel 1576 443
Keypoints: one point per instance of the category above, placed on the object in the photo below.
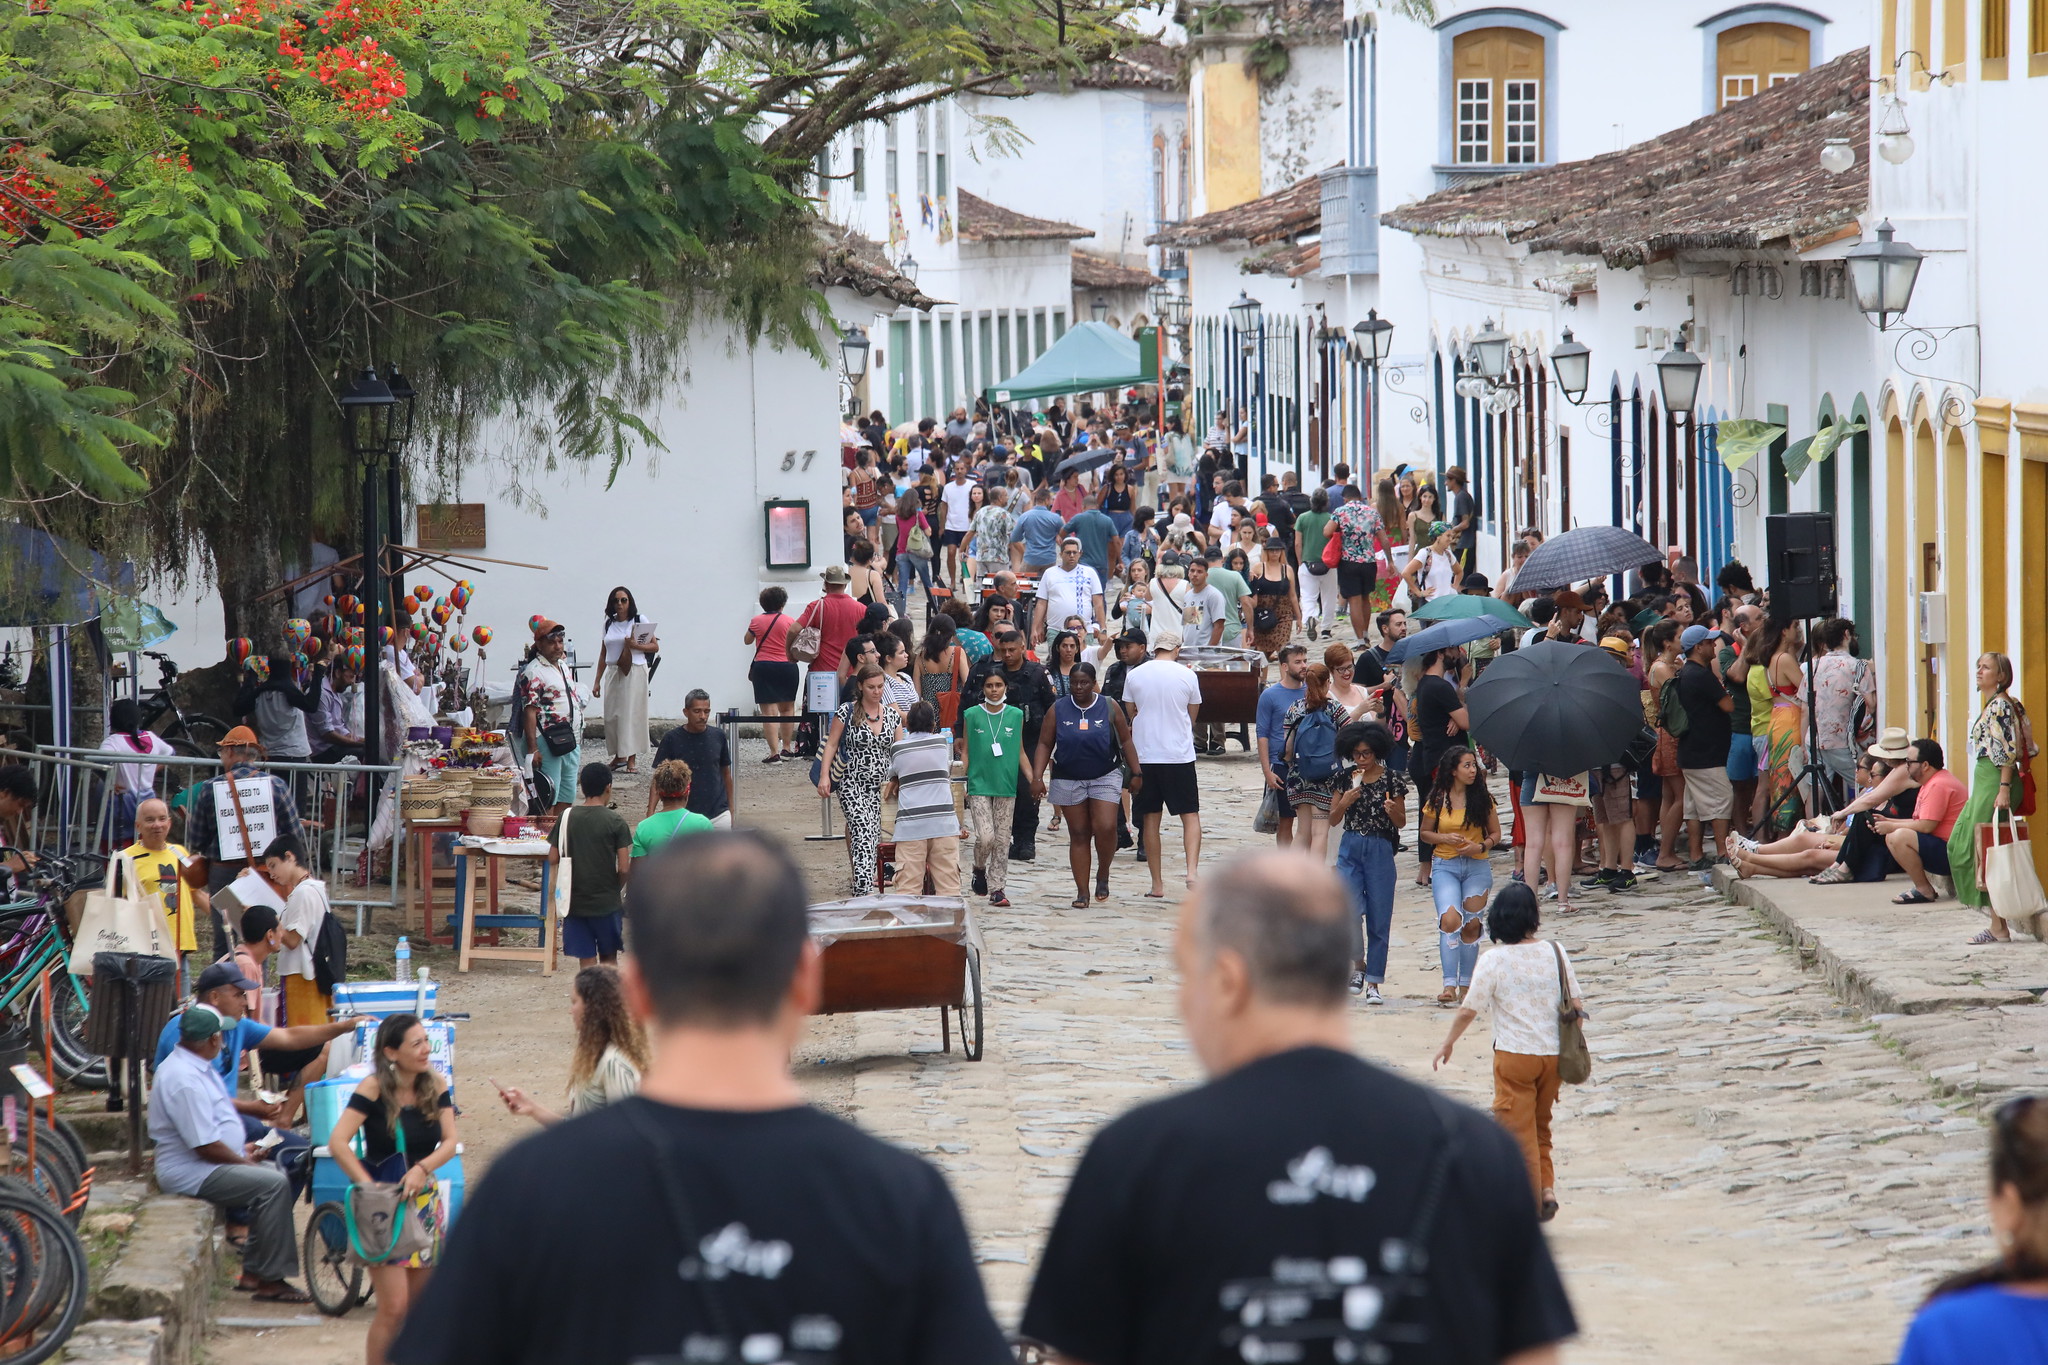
pixel 376 424
pixel 1246 316
pixel 853 354
pixel 1099 309
pixel 1179 309
pixel 907 267
pixel 1490 352
pixel 1882 274
pixel 1573 363
pixel 1155 299
pixel 1375 343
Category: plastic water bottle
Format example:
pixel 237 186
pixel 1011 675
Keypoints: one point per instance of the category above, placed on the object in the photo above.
pixel 404 959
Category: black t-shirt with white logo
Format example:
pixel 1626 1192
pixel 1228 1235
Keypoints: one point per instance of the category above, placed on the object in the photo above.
pixel 1266 1216
pixel 810 1243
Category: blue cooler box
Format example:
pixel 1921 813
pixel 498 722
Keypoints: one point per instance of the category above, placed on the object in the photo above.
pixel 329 1184
pixel 382 999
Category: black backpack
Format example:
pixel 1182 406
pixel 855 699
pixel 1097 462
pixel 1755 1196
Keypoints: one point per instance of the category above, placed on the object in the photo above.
pixel 330 954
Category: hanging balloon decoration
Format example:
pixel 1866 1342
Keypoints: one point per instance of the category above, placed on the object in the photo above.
pixel 482 635
pixel 328 600
pixel 353 657
pixel 459 595
pixel 442 613
pixel 260 666
pixel 533 623
pixel 297 631
pixel 459 644
pixel 384 633
pixel 409 604
pixel 424 594
pixel 240 649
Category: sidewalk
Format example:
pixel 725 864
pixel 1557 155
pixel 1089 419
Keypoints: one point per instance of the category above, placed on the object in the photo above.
pixel 1971 1018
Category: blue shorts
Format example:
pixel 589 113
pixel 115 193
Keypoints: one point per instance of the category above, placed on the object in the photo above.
pixel 559 771
pixel 593 935
pixel 1933 854
pixel 1741 759
pixel 870 515
pixel 951 537
pixel 1453 881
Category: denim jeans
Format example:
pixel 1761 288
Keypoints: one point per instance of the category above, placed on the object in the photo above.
pixel 1453 881
pixel 906 565
pixel 1366 863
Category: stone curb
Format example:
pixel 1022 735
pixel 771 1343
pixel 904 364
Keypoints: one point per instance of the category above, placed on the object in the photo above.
pixel 164 1271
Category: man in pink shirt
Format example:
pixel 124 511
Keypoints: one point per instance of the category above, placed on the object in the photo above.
pixel 837 616
pixel 1921 844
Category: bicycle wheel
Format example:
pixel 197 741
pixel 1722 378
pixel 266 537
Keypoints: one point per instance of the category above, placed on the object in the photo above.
pixel 45 1276
pixel 55 1178
pixel 76 1062
pixel 63 1132
pixel 334 1281
pixel 198 737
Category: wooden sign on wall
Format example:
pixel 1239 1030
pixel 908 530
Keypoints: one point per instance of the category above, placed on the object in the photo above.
pixel 451 526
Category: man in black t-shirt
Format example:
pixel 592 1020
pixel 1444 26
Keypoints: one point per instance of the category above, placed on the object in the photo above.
pixel 1281 1212
pixel 714 1216
pixel 1703 748
pixel 701 745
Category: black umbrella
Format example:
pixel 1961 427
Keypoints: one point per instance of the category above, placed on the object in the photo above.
pixel 1555 708
pixel 1085 461
pixel 1581 553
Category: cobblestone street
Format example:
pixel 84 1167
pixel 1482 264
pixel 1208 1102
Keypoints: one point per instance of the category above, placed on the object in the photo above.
pixel 1750 1175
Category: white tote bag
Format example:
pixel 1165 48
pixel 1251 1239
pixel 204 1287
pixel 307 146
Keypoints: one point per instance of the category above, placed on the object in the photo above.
pixel 121 924
pixel 558 886
pixel 2009 879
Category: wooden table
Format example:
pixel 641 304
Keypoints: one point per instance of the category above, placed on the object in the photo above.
pixel 419 857
pixel 477 876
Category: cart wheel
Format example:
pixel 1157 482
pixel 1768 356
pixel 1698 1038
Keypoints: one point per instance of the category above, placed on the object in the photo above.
pixel 970 1043
pixel 334 1281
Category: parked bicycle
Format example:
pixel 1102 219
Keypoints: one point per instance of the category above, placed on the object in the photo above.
pixel 191 733
pixel 34 936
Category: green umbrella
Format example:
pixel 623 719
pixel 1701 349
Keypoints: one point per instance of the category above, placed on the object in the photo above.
pixel 1465 608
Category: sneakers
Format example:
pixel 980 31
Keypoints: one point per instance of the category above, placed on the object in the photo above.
pixel 1372 994
pixel 1647 868
pixel 1700 865
pixel 980 882
pixel 1358 983
pixel 1743 842
pixel 1624 881
pixel 1604 877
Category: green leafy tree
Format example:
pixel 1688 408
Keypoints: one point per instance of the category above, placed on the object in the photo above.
pixel 216 209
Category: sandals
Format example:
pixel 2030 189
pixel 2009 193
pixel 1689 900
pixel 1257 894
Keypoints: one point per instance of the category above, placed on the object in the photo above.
pixel 1833 876
pixel 1447 998
pixel 281 1293
pixel 1986 936
pixel 1914 897
pixel 1102 889
pixel 1080 901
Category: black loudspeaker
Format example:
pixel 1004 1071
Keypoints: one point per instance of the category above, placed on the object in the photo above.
pixel 1799 550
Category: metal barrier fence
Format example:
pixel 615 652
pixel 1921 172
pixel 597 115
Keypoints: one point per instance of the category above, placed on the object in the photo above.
pixel 74 813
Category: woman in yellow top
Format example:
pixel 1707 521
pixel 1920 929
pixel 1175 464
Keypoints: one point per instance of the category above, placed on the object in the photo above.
pixel 157 864
pixel 1461 826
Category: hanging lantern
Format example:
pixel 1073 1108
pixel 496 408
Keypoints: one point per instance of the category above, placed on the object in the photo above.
pixel 260 666
pixel 482 635
pixel 301 662
pixel 409 604
pixel 353 657
pixel 459 595
pixel 441 614
pixel 314 646
pixel 458 644
pixel 433 640
pixel 424 594
pixel 384 633
pixel 297 631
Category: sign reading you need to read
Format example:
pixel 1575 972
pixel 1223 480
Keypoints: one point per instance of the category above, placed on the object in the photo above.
pixel 258 815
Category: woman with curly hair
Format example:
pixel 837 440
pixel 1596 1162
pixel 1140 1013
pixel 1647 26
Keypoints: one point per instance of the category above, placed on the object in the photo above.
pixel 611 1050
pixel 1461 827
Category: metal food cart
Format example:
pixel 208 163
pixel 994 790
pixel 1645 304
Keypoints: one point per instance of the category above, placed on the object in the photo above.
pixel 1231 680
pixel 895 952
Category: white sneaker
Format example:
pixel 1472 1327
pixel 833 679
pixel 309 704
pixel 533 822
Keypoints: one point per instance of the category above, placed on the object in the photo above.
pixel 1743 842
pixel 1372 994
pixel 1358 983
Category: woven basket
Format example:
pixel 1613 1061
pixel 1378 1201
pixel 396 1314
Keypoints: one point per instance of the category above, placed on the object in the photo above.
pixel 417 804
pixel 486 826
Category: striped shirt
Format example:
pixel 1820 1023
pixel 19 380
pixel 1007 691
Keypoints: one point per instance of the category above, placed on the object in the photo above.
pixel 922 765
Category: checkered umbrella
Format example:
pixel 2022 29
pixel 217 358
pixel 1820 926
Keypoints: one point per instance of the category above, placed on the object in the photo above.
pixel 1555 708
pixel 1581 553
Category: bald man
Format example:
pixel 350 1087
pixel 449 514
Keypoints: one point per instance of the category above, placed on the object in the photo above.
pixel 157 860
pixel 1288 1192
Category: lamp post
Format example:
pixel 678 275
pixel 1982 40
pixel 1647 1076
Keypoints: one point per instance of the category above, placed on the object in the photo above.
pixel 1572 362
pixel 366 414
pixel 1678 378
pixel 1099 309
pixel 907 267
pixel 853 362
pixel 1250 320
pixel 1375 338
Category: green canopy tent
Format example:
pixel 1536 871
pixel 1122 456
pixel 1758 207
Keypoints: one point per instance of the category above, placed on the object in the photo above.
pixel 1090 358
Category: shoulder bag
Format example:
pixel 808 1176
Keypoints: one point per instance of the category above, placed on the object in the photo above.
pixel 1574 1058
pixel 376 1216
pixel 1333 545
pixel 2023 796
pixel 558 885
pixel 559 736
pixel 803 648
pixel 919 544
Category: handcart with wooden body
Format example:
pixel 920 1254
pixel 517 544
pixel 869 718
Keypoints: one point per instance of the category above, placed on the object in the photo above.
pixel 1231 680
pixel 896 952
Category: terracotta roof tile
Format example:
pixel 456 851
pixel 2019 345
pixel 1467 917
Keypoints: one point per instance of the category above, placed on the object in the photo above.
pixel 847 260
pixel 981 221
pixel 1097 272
pixel 1739 179
pixel 1302 258
pixel 1275 218
pixel 1145 66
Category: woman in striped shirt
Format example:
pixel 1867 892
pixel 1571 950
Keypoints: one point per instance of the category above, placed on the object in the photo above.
pixel 927 829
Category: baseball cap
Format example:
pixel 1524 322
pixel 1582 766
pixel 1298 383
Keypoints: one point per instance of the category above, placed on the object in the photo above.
pixel 542 628
pixel 1695 636
pixel 1165 642
pixel 223 974
pixel 241 735
pixel 1131 637
pixel 200 1022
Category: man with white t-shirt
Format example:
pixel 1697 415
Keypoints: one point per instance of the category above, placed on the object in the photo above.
pixel 1162 699
pixel 1069 588
pixel 955 494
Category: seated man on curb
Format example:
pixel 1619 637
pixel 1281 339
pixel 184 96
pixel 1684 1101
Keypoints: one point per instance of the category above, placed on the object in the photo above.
pixel 200 1151
pixel 1921 844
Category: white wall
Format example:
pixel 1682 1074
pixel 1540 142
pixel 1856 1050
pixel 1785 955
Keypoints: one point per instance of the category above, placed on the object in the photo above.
pixel 681 528
pixel 1301 119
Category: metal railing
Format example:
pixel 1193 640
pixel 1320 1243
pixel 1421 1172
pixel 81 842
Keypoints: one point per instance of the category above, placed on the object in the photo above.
pixel 74 813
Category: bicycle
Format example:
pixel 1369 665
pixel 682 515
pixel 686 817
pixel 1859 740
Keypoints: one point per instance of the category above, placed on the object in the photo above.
pixel 43 1279
pixel 33 938
pixel 193 734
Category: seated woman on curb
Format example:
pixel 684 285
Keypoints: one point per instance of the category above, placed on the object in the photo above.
pixel 1835 849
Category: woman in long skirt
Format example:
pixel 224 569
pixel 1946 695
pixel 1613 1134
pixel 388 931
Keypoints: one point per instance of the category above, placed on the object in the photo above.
pixel 1998 740
pixel 620 682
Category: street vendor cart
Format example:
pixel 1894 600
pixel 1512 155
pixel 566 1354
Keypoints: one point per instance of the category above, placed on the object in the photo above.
pixel 903 953
pixel 1231 680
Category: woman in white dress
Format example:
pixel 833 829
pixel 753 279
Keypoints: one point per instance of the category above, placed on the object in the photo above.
pixel 1432 573
pixel 621 681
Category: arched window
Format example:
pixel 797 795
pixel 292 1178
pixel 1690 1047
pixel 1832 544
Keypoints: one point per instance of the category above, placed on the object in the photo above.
pixel 1159 177
pixel 1754 57
pixel 1182 164
pixel 1498 97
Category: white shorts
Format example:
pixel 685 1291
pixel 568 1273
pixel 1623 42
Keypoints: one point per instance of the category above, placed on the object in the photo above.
pixel 1072 791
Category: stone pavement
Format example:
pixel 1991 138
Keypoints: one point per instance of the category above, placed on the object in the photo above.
pixel 1754 1172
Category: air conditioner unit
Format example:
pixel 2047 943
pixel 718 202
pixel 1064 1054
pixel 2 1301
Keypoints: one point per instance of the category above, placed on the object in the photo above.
pixel 1933 618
